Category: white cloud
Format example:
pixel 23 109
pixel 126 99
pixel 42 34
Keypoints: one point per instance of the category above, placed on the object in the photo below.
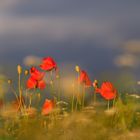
pixel 132 46
pixel 55 28
pixel 126 60
pixel 130 55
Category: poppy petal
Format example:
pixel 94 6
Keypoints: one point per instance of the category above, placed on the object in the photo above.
pixel 31 83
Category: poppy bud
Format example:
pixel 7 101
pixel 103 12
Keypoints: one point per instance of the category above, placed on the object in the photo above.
pixel 95 84
pixel 9 81
pixel 39 95
pixel 51 82
pixel 26 72
pixel 57 76
pixel 19 69
pixel 77 68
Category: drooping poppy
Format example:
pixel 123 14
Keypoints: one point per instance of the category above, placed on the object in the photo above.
pixel 84 78
pixel 48 64
pixel 36 74
pixel 36 79
pixel 107 91
pixel 48 107
pixel 31 83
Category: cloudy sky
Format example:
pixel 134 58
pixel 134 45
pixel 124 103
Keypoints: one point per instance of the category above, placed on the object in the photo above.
pixel 98 35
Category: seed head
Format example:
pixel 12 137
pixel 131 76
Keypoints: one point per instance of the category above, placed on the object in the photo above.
pixel 77 68
pixel 9 81
pixel 26 72
pixel 19 69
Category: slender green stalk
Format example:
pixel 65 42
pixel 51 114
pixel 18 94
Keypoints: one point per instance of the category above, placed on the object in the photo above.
pixel 114 100
pixel 14 92
pixel 30 101
pixel 20 92
pixel 51 83
pixel 83 101
pixel 78 91
pixel 108 104
pixel 59 90
pixel 94 97
pixel 72 103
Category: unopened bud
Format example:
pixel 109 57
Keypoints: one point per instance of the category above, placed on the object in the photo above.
pixel 9 81
pixel 57 76
pixel 51 82
pixel 95 84
pixel 77 68
pixel 19 69
pixel 26 72
pixel 38 94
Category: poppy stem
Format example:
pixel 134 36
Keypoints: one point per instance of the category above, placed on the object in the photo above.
pixel 26 96
pixel 20 92
pixel 84 90
pixel 30 101
pixel 59 90
pixel 72 104
pixel 78 91
pixel 94 96
pixel 108 104
pixel 114 100
pixel 76 103
pixel 14 91
pixel 51 82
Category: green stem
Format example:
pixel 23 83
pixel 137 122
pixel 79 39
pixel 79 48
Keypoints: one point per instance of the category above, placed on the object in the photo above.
pixel 78 91
pixel 94 98
pixel 20 93
pixel 14 92
pixel 72 104
pixel 114 100
pixel 59 91
pixel 108 104
pixel 30 101
pixel 83 102
pixel 76 103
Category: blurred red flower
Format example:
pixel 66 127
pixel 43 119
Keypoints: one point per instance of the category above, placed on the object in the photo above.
pixel 36 74
pixel 36 79
pixel 84 78
pixel 48 106
pixel 48 64
pixel 107 90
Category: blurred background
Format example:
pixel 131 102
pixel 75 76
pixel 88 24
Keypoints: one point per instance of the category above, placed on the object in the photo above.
pixel 102 37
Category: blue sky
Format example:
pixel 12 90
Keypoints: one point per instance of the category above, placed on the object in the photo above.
pixel 99 35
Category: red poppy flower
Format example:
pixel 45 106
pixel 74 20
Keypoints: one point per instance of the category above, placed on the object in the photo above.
pixel 107 90
pixel 31 83
pixel 36 79
pixel 47 107
pixel 48 64
pixel 84 78
pixel 36 74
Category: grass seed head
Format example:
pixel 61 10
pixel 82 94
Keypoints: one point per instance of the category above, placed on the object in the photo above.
pixel 19 69
pixel 77 68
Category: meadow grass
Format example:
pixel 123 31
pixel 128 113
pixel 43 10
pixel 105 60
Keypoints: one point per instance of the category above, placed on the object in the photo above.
pixel 92 122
